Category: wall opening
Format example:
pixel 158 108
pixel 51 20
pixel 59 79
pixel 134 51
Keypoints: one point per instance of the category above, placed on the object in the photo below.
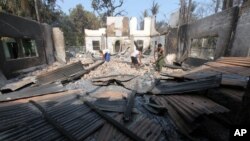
pixel 18 48
pixel 203 48
pixel 140 43
pixel 117 46
pixel 96 45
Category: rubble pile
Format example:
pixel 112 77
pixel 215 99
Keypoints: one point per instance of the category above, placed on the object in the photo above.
pixel 46 69
pixel 115 68
pixel 85 59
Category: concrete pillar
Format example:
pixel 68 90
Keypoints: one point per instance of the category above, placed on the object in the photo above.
pixel 59 45
pixel 48 43
pixel 2 79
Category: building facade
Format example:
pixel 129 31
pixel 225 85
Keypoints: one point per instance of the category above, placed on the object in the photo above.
pixel 120 33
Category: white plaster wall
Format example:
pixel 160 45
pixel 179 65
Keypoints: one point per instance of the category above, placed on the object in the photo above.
pixel 98 32
pixel 118 22
pixel 89 45
pixel 133 27
pixel 112 40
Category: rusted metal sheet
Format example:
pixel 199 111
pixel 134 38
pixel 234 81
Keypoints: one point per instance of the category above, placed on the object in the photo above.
pixel 32 91
pixel 227 79
pixel 143 127
pixel 130 104
pixel 63 73
pixel 53 122
pixel 226 68
pixel 19 84
pixel 188 86
pixel 185 109
pixel 116 124
pixel 29 123
pixel 233 93
pixel 237 61
pixel 72 116
pixel 112 106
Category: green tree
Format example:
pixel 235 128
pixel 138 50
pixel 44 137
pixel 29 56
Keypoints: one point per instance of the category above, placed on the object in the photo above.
pixel 47 9
pixel 81 20
pixel 107 8
pixel 155 8
pixel 143 15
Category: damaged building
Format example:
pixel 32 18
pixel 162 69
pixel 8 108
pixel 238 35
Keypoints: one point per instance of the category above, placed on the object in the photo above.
pixel 200 95
pixel 120 33
pixel 26 43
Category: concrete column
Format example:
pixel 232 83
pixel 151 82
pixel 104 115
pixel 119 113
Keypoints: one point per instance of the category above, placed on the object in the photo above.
pixel 3 80
pixel 48 43
pixel 59 45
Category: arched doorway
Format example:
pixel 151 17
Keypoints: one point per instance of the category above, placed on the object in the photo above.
pixel 117 46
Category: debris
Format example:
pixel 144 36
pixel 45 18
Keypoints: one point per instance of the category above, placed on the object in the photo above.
pixel 114 68
pixel 130 104
pixel 62 73
pixel 226 68
pixel 237 61
pixel 32 91
pixel 53 122
pixel 20 84
pixel 111 95
pixel 120 127
pixel 146 83
pixel 185 109
pixel 112 106
pixel 189 86
pixel 105 80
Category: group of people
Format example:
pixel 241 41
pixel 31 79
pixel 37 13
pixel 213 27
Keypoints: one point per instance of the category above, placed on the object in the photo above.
pixel 136 56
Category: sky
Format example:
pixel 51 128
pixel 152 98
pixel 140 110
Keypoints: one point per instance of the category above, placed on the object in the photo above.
pixel 134 8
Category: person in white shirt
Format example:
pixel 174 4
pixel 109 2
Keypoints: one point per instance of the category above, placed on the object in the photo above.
pixel 136 57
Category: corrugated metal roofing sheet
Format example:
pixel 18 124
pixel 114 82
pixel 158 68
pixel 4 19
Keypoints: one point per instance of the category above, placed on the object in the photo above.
pixel 185 109
pixel 60 73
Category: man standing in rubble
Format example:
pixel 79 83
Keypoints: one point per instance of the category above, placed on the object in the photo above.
pixel 160 59
pixel 105 54
pixel 136 56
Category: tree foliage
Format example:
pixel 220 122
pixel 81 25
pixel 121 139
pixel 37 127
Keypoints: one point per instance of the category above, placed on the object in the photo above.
pixel 108 8
pixel 155 8
pixel 82 19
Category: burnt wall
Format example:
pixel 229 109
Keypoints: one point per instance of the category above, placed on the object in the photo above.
pixel 241 44
pixel 18 27
pixel 171 41
pixel 220 24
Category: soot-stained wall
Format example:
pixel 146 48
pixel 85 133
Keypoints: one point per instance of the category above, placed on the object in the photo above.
pixel 18 27
pixel 241 44
pixel 220 25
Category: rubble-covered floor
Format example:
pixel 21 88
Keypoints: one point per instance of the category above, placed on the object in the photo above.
pixel 50 103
